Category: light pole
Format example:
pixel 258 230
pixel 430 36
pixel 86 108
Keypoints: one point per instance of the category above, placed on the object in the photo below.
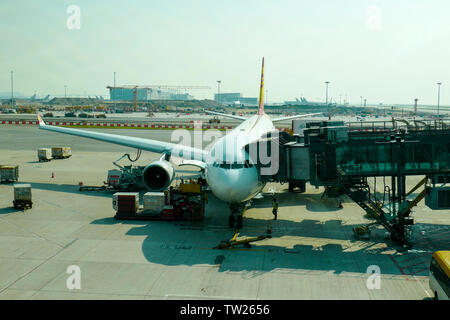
pixel 439 95
pixel 12 88
pixel 326 94
pixel 114 90
pixel 218 90
pixel 65 91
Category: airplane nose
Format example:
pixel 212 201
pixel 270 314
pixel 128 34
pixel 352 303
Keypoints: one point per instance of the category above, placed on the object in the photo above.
pixel 232 185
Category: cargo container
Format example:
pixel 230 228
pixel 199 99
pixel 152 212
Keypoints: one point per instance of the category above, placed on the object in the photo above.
pixel 9 173
pixel 154 202
pixel 113 178
pixel 126 203
pixel 61 152
pixel 22 196
pixel 44 154
pixel 190 187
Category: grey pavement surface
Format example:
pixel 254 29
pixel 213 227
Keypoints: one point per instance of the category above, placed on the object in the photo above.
pixel 312 253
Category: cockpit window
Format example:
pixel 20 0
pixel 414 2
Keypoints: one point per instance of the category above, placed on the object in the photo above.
pixel 247 164
pixel 235 165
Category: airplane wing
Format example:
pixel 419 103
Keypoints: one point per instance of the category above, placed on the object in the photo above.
pixel 295 117
pixel 177 150
pixel 226 115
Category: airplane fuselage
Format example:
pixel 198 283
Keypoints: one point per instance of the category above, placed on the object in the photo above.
pixel 230 173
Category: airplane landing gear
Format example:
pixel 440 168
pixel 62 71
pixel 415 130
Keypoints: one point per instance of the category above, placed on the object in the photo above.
pixel 239 221
pixel 231 221
pixel 235 218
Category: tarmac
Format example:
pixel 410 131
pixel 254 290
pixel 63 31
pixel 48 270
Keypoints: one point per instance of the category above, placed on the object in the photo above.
pixel 312 253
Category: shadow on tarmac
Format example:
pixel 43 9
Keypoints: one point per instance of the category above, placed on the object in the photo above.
pixel 326 246
pixel 170 249
pixel 67 188
pixel 8 210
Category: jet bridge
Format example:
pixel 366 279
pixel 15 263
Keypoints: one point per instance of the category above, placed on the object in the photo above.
pixel 342 155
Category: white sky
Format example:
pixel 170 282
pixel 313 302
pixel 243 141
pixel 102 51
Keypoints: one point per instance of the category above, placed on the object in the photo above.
pixel 386 51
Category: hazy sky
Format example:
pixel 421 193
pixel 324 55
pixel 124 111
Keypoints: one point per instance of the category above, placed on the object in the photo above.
pixel 386 51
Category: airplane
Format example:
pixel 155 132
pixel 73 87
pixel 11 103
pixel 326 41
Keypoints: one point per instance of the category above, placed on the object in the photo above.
pixel 229 170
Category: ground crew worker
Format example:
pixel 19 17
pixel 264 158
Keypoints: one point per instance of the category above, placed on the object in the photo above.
pixel 275 208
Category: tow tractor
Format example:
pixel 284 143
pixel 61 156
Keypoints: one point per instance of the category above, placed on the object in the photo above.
pixel 125 178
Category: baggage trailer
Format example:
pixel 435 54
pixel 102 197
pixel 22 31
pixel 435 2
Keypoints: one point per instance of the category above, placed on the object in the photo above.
pixel 171 205
pixel 9 173
pixel 22 196
pixel 44 154
pixel 61 152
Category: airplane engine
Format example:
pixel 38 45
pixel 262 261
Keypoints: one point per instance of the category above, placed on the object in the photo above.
pixel 158 175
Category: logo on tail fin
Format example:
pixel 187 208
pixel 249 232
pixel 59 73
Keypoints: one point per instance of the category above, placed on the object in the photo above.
pixel 41 122
pixel 261 91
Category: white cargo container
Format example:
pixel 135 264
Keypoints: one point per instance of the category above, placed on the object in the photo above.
pixel 61 152
pixel 22 196
pixel 22 192
pixel 9 173
pixel 44 154
pixel 126 202
pixel 154 201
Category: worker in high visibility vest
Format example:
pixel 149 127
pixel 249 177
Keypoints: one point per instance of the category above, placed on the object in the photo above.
pixel 275 208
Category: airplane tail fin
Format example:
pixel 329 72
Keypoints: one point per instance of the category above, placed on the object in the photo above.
pixel 41 122
pixel 261 91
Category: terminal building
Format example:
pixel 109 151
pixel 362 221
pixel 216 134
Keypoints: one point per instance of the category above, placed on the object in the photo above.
pixel 234 98
pixel 144 93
